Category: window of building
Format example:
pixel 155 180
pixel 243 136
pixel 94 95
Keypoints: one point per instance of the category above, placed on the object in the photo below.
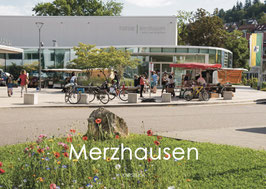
pixel 155 50
pixel 169 50
pixel 204 51
pixel 15 56
pixel 193 50
pixel 181 50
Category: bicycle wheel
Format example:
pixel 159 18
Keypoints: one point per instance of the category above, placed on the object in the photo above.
pixel 66 97
pixel 188 95
pixel 74 97
pixel 103 97
pixel 123 95
pixel 204 96
pixel 112 96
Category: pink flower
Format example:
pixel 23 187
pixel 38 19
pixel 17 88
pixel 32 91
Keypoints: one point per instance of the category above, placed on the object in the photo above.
pixel 47 148
pixel 1 164
pixel 43 136
pixel 52 186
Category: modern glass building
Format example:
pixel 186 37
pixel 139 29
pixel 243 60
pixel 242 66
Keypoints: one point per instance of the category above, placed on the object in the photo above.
pixel 160 56
pixel 149 38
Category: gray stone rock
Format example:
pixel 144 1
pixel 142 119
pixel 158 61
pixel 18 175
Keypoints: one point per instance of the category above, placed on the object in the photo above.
pixel 110 125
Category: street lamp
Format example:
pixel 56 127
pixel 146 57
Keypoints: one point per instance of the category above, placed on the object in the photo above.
pixel 39 25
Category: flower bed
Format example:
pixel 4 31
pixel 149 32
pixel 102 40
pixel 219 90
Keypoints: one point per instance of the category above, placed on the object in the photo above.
pixel 46 164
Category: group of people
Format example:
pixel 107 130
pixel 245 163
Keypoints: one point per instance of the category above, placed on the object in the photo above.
pixel 188 81
pixel 143 82
pixel 23 80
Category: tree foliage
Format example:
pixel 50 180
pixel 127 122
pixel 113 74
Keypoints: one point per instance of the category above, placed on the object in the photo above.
pixel 239 46
pixel 78 8
pixel 89 57
pixel 204 30
pixel 183 18
pixel 240 12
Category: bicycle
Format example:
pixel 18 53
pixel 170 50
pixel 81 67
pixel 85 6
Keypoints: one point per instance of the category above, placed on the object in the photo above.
pixel 99 93
pixel 72 95
pixel 196 92
pixel 115 91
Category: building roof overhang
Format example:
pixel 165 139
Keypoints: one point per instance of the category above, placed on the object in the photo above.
pixel 8 49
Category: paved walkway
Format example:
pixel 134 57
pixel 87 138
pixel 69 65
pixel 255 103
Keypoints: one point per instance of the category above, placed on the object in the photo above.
pixel 55 98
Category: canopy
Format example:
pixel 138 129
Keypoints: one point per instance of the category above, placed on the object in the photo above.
pixel 62 70
pixel 196 66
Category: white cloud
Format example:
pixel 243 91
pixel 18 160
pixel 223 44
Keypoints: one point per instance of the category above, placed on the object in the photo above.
pixel 150 3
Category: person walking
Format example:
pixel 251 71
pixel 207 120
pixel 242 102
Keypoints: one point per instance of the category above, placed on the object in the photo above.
pixel 154 77
pixel 142 83
pixel 9 83
pixel 164 81
pixel 116 79
pixel 23 81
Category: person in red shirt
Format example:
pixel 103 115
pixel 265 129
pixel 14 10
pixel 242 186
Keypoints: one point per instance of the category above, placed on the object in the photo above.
pixel 141 82
pixel 23 81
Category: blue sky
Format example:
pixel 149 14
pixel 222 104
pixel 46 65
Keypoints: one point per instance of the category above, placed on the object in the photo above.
pixel 131 7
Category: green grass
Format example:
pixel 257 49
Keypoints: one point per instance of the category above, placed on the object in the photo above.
pixel 219 166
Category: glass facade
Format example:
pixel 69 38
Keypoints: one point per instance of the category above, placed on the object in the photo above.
pixel 160 56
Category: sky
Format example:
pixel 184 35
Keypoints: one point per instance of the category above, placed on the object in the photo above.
pixel 131 7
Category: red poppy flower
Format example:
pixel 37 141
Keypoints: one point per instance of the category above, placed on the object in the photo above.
pixel 2 171
pixel 159 137
pixel 85 138
pixel 98 121
pixel 1 164
pixel 149 133
pixel 57 155
pixel 69 139
pixel 66 154
pixel 52 186
pixel 40 150
pixel 157 143
pixel 149 160
pixel 167 156
pixel 117 136
pixel 72 130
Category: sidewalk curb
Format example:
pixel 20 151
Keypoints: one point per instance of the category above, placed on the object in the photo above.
pixel 259 101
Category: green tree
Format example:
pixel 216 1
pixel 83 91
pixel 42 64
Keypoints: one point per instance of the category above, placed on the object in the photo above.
pixel 205 30
pixel 78 8
pixel 183 18
pixel 239 46
pixel 89 57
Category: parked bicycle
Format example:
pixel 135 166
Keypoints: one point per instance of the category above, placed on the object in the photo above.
pixel 72 95
pixel 196 92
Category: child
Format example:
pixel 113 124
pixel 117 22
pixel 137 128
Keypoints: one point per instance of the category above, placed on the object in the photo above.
pixel 9 83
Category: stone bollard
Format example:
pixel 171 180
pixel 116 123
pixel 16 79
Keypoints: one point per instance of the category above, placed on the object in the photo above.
pixel 132 98
pixel 84 99
pixel 166 97
pixel 228 95
pixel 31 99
